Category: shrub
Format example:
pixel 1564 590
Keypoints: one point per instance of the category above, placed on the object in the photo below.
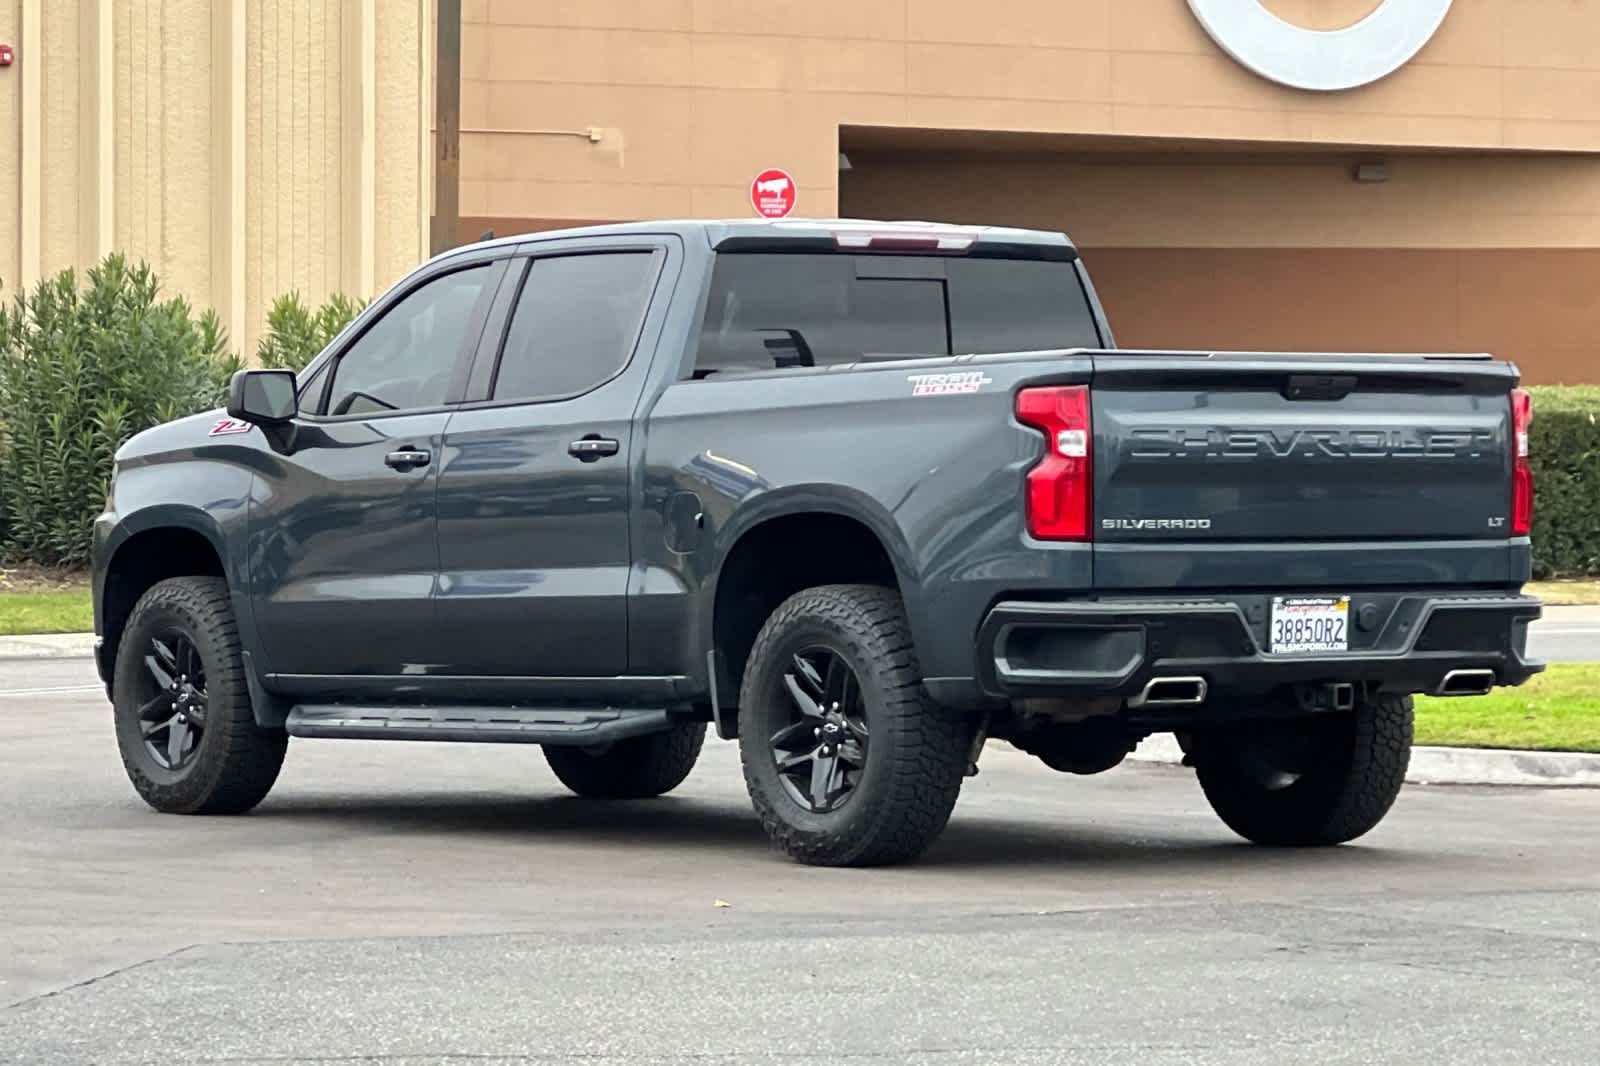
pixel 1566 480
pixel 295 335
pixel 81 371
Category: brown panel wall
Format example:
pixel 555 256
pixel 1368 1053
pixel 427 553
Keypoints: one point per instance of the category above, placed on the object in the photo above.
pixel 473 227
pixel 1537 306
pixel 698 96
pixel 1174 197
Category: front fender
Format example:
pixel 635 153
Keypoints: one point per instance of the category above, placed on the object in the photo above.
pixel 207 498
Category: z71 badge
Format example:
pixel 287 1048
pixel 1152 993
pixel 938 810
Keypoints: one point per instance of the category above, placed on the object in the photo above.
pixel 226 426
pixel 963 381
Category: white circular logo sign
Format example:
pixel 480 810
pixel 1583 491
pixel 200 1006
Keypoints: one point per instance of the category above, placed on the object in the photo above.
pixel 1322 60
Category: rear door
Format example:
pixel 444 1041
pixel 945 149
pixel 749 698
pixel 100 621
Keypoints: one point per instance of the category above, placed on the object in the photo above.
pixel 1299 456
pixel 535 486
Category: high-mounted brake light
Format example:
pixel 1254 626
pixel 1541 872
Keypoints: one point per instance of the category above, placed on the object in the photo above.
pixel 903 241
pixel 1059 487
pixel 1521 466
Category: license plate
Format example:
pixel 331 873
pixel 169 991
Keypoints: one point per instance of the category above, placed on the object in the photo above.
pixel 1302 624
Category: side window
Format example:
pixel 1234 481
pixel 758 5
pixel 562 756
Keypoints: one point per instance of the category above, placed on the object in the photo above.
pixel 1018 305
pixel 575 325
pixel 771 310
pixel 404 362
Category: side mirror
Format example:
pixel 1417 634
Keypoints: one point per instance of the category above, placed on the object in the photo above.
pixel 264 397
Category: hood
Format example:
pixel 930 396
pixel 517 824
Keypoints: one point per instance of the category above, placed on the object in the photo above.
pixel 180 434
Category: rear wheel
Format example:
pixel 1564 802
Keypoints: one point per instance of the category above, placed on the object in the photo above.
pixel 1310 781
pixel 847 763
pixel 635 768
pixel 188 737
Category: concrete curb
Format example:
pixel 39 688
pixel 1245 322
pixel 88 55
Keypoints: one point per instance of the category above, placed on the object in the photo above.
pixel 1452 766
pixel 48 646
pixel 1575 615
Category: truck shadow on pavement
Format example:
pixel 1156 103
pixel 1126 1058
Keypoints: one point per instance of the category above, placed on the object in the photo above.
pixel 681 823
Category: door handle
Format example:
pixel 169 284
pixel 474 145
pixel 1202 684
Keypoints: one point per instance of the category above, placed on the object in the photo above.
pixel 592 447
pixel 408 458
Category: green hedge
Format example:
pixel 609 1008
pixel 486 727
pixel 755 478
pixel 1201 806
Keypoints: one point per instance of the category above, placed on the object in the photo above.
pixel 296 334
pixel 82 369
pixel 1565 443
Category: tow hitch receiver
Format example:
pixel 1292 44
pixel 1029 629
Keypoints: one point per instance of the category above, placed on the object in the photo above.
pixel 1327 696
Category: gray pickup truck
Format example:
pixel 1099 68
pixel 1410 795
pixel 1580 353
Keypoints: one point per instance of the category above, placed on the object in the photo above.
pixel 861 496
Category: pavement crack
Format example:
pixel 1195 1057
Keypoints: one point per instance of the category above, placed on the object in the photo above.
pixel 96 979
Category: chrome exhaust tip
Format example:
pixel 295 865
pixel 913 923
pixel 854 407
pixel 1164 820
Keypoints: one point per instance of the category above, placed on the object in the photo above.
pixel 1465 683
pixel 1171 692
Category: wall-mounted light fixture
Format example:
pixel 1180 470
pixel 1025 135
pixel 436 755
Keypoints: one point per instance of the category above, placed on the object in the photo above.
pixel 1372 173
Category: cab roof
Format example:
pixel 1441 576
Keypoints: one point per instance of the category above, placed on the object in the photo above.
pixel 830 234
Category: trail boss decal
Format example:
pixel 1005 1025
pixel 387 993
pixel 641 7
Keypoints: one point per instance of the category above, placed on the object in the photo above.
pixel 964 381
pixel 227 426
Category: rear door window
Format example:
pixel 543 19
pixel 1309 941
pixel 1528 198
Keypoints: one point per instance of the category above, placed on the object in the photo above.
pixel 775 310
pixel 576 323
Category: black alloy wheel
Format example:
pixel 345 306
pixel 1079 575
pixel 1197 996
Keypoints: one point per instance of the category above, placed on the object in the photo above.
pixel 172 699
pixel 180 701
pixel 830 662
pixel 822 752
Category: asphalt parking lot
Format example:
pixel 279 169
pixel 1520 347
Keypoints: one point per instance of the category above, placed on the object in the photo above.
pixel 432 904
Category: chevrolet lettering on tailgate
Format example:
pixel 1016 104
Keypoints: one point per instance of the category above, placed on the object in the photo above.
pixel 1330 443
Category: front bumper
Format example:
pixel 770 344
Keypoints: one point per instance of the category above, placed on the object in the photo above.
pixel 1400 642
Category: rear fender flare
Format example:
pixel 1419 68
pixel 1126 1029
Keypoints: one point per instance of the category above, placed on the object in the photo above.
pixel 797 500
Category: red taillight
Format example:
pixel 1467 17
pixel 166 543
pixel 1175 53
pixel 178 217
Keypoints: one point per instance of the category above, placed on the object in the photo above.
pixel 1059 489
pixel 1521 468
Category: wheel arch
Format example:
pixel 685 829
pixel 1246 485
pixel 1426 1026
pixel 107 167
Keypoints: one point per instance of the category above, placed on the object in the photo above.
pixel 769 552
pixel 148 547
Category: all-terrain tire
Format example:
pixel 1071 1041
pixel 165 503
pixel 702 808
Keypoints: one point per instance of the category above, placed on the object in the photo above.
pixel 1357 766
pixel 635 768
pixel 235 761
pixel 916 754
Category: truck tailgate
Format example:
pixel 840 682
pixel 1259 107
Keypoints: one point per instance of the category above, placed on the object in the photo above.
pixel 1211 448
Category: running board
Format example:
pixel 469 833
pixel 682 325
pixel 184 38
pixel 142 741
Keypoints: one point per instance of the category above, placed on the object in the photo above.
pixel 482 725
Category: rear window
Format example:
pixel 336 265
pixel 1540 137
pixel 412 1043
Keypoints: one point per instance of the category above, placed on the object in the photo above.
pixel 774 310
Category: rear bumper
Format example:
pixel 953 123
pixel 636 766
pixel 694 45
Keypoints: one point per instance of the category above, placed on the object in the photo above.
pixel 1400 642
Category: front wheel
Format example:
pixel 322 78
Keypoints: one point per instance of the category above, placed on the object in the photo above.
pixel 1307 782
pixel 188 738
pixel 847 762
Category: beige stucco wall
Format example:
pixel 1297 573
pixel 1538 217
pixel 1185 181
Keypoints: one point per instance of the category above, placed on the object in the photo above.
pixel 699 95
pixel 10 153
pixel 244 148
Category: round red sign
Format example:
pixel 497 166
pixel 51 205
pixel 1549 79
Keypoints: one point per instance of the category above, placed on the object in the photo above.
pixel 772 193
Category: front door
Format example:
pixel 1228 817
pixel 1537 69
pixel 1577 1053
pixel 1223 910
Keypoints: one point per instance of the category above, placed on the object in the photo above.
pixel 534 491
pixel 343 537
